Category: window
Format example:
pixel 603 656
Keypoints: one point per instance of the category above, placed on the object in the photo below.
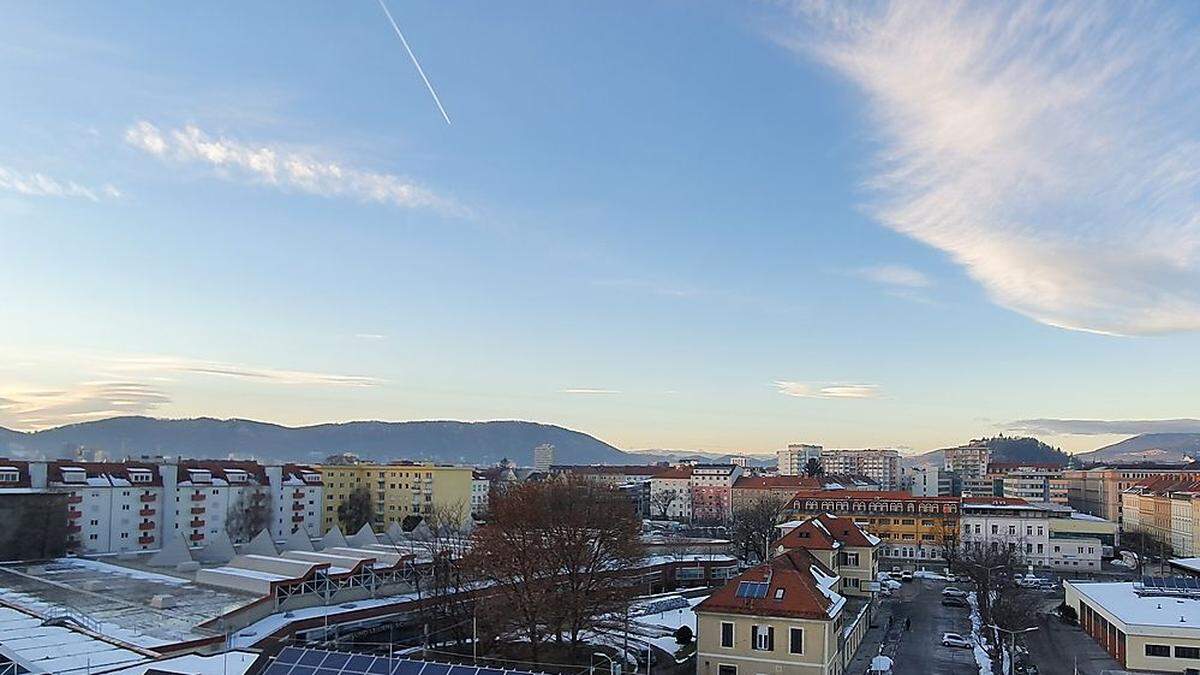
pixel 1158 650
pixel 9 476
pixel 724 669
pixel 727 637
pixel 796 641
pixel 763 638
pixel 1187 652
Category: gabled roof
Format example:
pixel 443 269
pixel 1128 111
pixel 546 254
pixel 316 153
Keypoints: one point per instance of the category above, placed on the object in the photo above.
pixel 798 586
pixel 825 532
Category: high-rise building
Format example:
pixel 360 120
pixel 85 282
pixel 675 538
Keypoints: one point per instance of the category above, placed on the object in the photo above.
pixel 880 465
pixel 969 461
pixel 793 459
pixel 543 457
pixel 925 481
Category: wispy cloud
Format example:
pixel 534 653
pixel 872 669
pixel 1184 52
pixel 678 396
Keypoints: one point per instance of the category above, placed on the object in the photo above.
pixel 41 185
pixel 895 275
pixel 1052 150
pixel 370 336
pixel 827 390
pixel 281 168
pixel 1078 427
pixel 188 366
pixel 32 409
pixel 588 390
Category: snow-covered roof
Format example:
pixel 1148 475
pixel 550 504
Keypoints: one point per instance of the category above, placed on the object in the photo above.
pixel 58 649
pixel 1181 615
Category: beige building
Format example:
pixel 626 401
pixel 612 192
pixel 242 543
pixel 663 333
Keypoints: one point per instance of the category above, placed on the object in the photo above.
pixel 1098 491
pixel 969 461
pixel 793 459
pixel 397 490
pixel 1151 626
pixel 880 465
pixel 784 617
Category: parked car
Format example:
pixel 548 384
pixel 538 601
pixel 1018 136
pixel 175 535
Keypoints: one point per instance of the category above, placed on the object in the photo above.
pixel 954 601
pixel 906 575
pixel 955 640
pixel 895 573
pixel 955 592
pixel 1030 581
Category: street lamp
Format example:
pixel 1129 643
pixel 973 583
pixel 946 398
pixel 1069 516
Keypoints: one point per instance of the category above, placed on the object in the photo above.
pixel 1012 641
pixel 612 665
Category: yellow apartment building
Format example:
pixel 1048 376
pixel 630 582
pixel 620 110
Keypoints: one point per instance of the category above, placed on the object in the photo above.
pixel 398 490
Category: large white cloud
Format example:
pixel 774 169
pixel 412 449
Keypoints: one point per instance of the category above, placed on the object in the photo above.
pixel 279 167
pixel 1053 151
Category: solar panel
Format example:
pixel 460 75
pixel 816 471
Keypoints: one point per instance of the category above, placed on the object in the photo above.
pixel 297 661
pixel 752 589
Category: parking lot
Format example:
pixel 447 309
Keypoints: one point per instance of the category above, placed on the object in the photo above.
pixel 918 650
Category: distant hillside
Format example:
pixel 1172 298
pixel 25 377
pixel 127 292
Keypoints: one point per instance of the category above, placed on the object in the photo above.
pixel 443 441
pixel 1005 449
pixel 1155 448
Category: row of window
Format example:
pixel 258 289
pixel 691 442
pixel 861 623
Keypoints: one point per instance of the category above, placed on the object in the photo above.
pixel 762 638
pixel 1180 652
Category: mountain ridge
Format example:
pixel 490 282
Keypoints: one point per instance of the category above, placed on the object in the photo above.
pixel 434 440
pixel 1159 448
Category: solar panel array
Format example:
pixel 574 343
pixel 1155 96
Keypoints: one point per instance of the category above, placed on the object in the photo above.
pixel 752 589
pixel 1171 584
pixel 297 661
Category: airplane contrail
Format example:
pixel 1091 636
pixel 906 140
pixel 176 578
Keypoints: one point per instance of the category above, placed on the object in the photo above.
pixel 416 63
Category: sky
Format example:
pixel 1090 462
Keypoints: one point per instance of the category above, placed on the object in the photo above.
pixel 686 225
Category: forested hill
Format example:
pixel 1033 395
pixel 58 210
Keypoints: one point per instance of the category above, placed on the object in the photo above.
pixel 1024 449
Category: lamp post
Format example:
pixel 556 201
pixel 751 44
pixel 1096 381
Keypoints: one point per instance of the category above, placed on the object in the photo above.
pixel 1012 635
pixel 612 665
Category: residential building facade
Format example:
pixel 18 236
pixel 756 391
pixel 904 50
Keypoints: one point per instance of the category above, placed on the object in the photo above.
pixel 398 490
pixel 969 461
pixel 793 460
pixel 712 492
pixel 671 494
pixel 543 457
pixel 1027 529
pixel 880 465
pixel 841 544
pixel 1098 490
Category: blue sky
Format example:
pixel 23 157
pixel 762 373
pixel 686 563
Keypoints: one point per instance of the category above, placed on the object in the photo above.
pixel 681 225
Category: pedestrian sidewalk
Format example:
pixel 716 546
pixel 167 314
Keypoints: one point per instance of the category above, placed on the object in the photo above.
pixel 876 634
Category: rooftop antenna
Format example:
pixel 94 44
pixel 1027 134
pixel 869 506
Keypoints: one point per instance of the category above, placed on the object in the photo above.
pixel 416 63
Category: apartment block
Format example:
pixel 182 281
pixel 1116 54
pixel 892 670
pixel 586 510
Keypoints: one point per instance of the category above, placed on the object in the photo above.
pixel 969 461
pixel 543 457
pixel 841 544
pixel 398 490
pixel 793 459
pixel 1098 490
pixel 1032 531
pixel 1166 509
pixel 1034 483
pixel 712 491
pixel 671 494
pixel 880 465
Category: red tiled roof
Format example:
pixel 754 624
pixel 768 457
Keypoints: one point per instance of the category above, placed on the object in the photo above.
pixel 675 472
pixel 868 494
pixel 996 501
pixel 609 469
pixel 793 573
pixel 832 529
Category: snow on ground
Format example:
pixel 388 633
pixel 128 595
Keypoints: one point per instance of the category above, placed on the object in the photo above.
pixel 659 628
pixel 982 660
pixel 250 635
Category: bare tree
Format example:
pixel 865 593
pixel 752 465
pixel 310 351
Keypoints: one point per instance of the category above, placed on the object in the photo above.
pixel 357 510
pixel 440 547
pixel 662 501
pixel 249 514
pixel 754 525
pixel 550 552
pixel 813 468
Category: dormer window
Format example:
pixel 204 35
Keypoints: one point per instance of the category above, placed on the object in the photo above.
pixel 139 476
pixel 73 474
pixel 235 475
pixel 312 478
pixel 9 474
pixel 200 475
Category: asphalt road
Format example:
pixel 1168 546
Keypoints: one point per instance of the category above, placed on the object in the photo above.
pixel 919 649
pixel 1057 648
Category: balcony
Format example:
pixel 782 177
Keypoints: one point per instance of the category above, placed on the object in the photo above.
pixel 197 496
pixel 73 514
pixel 298 494
pixel 146 526
pixel 147 512
pixel 72 529
pixel 297 506
pixel 146 539
pixel 75 499
pixel 198 536
pixel 196 523
pixel 298 518
pixel 197 510
pixel 147 498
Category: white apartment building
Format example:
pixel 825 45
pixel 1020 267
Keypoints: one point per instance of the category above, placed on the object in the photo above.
pixel 969 461
pixel 1036 485
pixel 297 494
pixel 203 494
pixel 712 491
pixel 481 489
pixel 543 457
pixel 792 460
pixel 880 465
pixel 924 481
pixel 1029 530
pixel 111 507
pixel 671 494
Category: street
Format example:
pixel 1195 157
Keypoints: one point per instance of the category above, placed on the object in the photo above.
pixel 1057 648
pixel 919 650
